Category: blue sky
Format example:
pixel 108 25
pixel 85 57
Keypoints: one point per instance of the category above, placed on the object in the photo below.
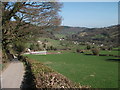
pixel 89 14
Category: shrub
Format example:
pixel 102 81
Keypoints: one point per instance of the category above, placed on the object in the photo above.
pixel 31 46
pixel 55 49
pixel 95 51
pixel 77 50
pixel 88 47
pixel 51 47
pixel 48 48
pixel 4 56
pixel 19 47
pixel 103 48
pixel 109 48
pixel 35 47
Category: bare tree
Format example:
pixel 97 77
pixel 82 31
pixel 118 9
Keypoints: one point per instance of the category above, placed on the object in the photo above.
pixel 20 18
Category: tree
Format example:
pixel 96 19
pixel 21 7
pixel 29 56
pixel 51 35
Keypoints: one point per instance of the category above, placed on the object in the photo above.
pixel 95 51
pixel 31 47
pixel 88 47
pixel 19 20
pixel 19 47
pixel 77 50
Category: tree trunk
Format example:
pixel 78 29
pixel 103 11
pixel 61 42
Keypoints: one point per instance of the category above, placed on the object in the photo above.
pixel 7 52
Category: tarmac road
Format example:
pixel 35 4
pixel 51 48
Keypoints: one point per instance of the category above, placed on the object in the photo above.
pixel 12 76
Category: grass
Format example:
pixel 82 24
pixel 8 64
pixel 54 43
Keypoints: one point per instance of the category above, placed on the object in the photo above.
pixel 51 42
pixel 105 52
pixel 60 36
pixel 99 36
pixel 95 71
pixel 56 43
pixel 78 47
pixel 109 52
pixel 46 77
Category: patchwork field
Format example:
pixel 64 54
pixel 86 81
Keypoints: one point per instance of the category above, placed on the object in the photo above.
pixel 94 71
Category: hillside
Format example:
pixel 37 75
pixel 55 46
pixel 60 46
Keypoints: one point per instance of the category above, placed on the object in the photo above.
pixel 107 35
pixel 111 31
pixel 67 30
pixel 99 35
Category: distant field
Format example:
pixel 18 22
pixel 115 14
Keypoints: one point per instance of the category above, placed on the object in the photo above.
pixel 106 52
pixel 110 52
pixel 50 41
pixel 56 43
pixel 60 36
pixel 95 71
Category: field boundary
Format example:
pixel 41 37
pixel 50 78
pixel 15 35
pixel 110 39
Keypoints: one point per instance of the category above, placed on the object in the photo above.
pixel 45 77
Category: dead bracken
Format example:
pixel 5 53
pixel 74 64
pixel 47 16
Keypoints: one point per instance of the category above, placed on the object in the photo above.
pixel 45 77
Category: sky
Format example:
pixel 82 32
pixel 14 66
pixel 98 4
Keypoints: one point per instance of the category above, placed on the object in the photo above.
pixel 89 14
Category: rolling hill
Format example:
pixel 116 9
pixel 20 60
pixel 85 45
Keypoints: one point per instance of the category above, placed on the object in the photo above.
pixel 107 35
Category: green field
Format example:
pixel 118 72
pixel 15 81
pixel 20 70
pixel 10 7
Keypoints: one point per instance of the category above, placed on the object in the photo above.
pixel 51 42
pixel 60 36
pixel 95 71
pixel 110 52
pixel 105 52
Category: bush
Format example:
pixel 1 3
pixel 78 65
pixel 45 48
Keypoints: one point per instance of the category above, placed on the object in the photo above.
pixel 102 48
pixel 19 47
pixel 77 50
pixel 55 49
pixel 88 47
pixel 31 47
pixel 109 48
pixel 35 47
pixel 4 56
pixel 51 47
pixel 95 51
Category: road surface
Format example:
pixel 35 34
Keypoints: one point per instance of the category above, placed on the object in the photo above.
pixel 12 76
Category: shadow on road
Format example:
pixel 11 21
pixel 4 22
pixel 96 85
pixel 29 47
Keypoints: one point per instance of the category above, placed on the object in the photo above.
pixel 28 80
